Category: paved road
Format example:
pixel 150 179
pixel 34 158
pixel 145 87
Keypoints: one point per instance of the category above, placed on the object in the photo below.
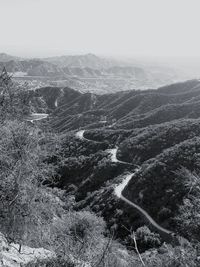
pixel 119 193
pixel 120 187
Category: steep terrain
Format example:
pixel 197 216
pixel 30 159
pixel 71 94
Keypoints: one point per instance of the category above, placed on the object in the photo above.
pixel 158 130
pixel 87 176
pixel 123 110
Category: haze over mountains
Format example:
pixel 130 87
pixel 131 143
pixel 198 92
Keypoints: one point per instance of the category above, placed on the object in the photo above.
pixel 90 73
pixel 99 133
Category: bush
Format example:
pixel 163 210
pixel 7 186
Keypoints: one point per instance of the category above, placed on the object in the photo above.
pixel 147 239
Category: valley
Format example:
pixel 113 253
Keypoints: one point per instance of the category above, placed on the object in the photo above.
pixel 144 127
pixel 128 159
pixel 119 188
pixel 99 133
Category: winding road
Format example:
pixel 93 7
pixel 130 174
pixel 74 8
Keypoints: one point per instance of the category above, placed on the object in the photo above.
pixel 112 151
pixel 118 192
pixel 120 187
pixel 80 135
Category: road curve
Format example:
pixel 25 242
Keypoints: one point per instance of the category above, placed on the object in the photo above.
pixel 119 193
pixel 120 187
pixel 112 151
pixel 80 135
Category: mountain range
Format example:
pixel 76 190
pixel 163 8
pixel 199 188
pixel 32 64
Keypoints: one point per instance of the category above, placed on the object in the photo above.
pixel 89 73
pixel 129 160
pixel 157 130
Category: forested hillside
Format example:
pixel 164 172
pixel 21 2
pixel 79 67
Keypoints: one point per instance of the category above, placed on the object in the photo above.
pixel 62 175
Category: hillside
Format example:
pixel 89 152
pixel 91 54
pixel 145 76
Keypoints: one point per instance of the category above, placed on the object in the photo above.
pixel 122 165
pixel 123 110
pixel 158 130
pixel 162 137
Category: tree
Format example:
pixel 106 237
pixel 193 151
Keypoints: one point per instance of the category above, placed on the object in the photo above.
pixel 14 99
pixel 23 169
pixel 146 238
pixel 187 218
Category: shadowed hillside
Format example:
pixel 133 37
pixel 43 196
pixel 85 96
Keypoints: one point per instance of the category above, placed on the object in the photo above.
pixel 157 129
pixel 127 164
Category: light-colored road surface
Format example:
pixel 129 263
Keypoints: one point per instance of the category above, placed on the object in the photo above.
pixel 120 187
pixel 113 153
pixel 56 103
pixel 110 126
pixel 37 116
pixel 118 192
pixel 80 134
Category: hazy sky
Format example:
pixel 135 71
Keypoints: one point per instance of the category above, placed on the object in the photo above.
pixel 105 27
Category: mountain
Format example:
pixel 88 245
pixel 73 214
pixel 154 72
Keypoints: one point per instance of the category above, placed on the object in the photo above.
pixel 89 73
pixel 5 57
pixel 155 129
pixel 32 67
pixel 128 109
pixel 125 165
pixel 36 67
pixel 83 61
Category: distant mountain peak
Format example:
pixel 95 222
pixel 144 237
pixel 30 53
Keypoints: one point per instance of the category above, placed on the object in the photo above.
pixel 81 61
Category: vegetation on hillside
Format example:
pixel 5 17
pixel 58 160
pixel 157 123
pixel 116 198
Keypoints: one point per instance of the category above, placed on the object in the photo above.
pixel 35 215
pixel 152 140
pixel 57 191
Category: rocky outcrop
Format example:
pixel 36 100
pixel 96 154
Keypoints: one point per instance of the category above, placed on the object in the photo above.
pixel 11 257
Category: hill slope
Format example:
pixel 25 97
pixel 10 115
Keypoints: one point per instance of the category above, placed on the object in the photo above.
pixel 157 130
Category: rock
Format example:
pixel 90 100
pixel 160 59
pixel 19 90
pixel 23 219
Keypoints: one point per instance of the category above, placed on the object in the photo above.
pixel 11 257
